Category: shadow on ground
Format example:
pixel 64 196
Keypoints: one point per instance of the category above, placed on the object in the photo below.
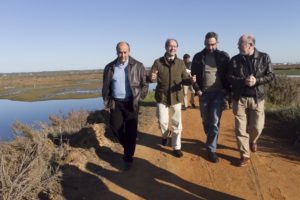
pixel 143 180
pixel 151 182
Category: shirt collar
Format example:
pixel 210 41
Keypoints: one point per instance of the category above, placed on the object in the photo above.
pixel 118 64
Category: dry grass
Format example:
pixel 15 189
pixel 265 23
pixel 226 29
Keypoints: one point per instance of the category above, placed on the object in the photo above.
pixel 29 165
pixel 66 125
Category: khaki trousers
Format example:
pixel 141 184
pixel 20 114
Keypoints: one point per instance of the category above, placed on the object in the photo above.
pixel 186 88
pixel 175 126
pixel 249 122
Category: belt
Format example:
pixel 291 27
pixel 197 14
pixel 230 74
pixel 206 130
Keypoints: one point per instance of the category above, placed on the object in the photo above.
pixel 123 100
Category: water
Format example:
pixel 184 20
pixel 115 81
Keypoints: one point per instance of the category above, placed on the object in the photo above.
pixel 39 111
pixel 30 112
pixel 293 76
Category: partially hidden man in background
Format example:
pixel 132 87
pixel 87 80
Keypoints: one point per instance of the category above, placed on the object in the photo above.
pixel 249 71
pixel 170 73
pixel 124 85
pixel 210 67
pixel 186 88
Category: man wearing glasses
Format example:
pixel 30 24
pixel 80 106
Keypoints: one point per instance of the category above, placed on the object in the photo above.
pixel 169 72
pixel 249 71
pixel 210 67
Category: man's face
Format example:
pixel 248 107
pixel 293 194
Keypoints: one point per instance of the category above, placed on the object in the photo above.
pixel 187 60
pixel 244 46
pixel 123 53
pixel 171 48
pixel 211 44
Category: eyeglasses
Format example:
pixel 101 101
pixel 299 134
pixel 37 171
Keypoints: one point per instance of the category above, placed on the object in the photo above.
pixel 213 44
pixel 172 46
pixel 244 43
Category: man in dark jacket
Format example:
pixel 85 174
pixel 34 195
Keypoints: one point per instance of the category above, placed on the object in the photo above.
pixel 249 71
pixel 124 85
pixel 170 73
pixel 210 67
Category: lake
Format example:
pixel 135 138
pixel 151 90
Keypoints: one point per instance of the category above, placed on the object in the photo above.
pixel 30 112
pixel 39 111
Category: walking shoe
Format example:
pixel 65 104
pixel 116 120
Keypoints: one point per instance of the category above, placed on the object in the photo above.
pixel 243 161
pixel 212 156
pixel 253 146
pixel 193 105
pixel 164 141
pixel 127 159
pixel 127 166
pixel 183 108
pixel 177 153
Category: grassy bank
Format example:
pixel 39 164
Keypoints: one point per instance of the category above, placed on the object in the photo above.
pixel 51 85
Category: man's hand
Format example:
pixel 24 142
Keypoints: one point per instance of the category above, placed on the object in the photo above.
pixel 193 79
pixel 154 75
pixel 107 109
pixel 250 81
pixel 199 93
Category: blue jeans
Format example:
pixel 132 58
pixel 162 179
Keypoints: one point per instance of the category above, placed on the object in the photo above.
pixel 211 107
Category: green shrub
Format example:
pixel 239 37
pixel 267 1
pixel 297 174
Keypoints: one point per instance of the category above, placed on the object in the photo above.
pixel 149 100
pixel 287 119
pixel 284 91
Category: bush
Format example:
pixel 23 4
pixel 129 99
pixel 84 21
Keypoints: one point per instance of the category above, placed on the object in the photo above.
pixel 68 125
pixel 284 91
pixel 287 119
pixel 28 165
pixel 283 105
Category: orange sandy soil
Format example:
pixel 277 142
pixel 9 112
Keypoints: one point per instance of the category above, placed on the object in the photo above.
pixel 94 168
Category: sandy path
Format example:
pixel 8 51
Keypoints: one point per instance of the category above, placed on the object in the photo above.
pixel 274 171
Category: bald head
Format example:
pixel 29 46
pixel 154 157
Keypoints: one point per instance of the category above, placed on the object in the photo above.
pixel 122 43
pixel 246 44
pixel 123 50
pixel 247 38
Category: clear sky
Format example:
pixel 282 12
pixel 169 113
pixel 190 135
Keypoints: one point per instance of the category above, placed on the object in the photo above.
pixel 47 35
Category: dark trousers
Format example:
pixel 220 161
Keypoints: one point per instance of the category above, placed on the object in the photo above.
pixel 124 121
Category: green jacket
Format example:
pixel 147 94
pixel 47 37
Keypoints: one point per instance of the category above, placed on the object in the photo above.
pixel 170 77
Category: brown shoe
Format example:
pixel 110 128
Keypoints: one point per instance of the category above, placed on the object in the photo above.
pixel 253 147
pixel 243 161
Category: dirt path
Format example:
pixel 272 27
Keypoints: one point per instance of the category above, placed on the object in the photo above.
pixel 274 171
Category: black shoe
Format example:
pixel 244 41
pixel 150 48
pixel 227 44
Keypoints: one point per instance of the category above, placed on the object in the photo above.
pixel 193 105
pixel 177 153
pixel 212 156
pixel 164 141
pixel 128 159
pixel 183 108
pixel 127 166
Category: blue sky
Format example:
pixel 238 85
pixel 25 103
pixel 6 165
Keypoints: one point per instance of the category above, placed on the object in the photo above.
pixel 47 35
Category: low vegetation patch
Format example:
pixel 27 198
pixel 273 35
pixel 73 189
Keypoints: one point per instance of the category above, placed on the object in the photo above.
pixel 283 106
pixel 29 165
pixel 284 91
